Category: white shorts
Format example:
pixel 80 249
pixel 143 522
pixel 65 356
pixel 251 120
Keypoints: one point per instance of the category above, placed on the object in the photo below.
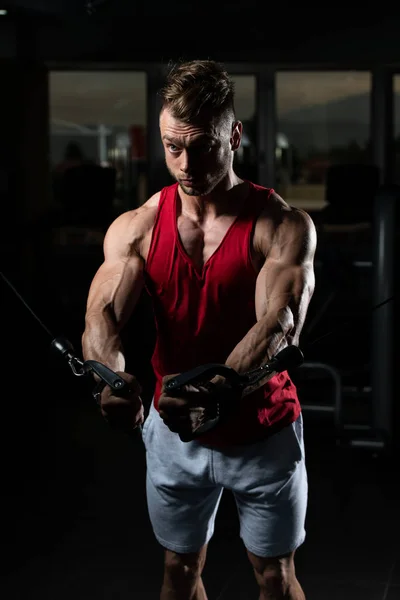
pixel 185 481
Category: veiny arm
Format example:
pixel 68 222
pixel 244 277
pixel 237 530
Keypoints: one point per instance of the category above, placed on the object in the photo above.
pixel 114 292
pixel 284 288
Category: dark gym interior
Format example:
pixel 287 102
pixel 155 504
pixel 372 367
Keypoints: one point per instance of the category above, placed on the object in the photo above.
pixel 320 97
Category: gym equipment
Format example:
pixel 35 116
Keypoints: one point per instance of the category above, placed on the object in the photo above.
pixel 223 406
pixel 289 357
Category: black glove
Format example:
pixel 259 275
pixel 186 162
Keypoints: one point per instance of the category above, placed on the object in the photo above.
pixel 122 410
pixel 194 409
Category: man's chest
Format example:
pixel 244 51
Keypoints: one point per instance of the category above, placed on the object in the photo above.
pixel 201 244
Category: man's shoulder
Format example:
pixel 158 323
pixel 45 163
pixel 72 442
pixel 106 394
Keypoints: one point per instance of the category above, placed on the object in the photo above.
pixel 148 210
pixel 279 212
pixel 260 190
pixel 134 224
pixel 273 206
pixel 279 221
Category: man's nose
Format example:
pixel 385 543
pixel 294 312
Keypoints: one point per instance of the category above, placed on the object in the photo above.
pixel 190 161
pixel 185 161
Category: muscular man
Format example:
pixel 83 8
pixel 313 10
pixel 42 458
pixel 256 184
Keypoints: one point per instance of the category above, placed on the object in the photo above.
pixel 229 267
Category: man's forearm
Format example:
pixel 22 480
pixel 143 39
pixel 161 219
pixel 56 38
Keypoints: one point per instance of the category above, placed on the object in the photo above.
pixel 101 341
pixel 265 339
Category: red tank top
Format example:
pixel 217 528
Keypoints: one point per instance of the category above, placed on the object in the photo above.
pixel 201 314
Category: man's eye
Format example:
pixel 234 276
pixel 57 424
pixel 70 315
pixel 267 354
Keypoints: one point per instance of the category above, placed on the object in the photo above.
pixel 172 148
pixel 203 148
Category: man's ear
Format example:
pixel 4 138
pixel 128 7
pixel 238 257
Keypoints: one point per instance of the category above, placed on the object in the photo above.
pixel 236 135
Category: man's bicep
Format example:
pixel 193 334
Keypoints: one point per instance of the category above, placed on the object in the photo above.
pixel 302 292
pixel 279 286
pixel 119 281
pixel 286 280
pixel 116 287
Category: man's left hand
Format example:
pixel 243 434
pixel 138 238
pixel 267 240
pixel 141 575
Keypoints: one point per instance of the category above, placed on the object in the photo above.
pixel 189 410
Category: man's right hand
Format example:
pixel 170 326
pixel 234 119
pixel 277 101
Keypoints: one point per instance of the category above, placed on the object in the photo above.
pixel 123 410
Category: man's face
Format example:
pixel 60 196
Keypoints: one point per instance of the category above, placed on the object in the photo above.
pixel 199 155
